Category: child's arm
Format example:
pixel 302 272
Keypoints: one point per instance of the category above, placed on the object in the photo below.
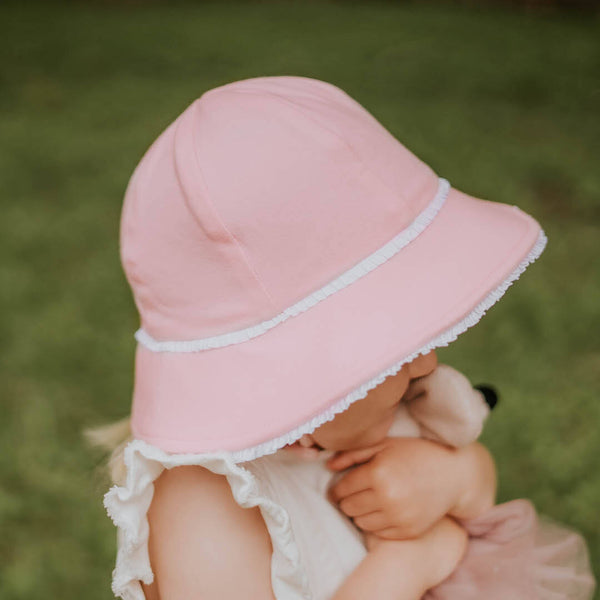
pixel 204 545
pixel 406 569
pixel 407 484
pixel 384 573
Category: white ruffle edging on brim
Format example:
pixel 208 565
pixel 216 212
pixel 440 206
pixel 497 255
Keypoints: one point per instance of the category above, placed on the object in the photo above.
pixel 444 339
pixel 127 506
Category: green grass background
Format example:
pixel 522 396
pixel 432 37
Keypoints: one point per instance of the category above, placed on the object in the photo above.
pixel 502 103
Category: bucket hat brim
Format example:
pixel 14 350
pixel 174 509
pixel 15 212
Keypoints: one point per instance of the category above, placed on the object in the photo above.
pixel 254 397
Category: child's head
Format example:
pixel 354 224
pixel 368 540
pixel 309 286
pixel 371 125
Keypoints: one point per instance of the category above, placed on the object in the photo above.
pixel 290 258
pixel 367 421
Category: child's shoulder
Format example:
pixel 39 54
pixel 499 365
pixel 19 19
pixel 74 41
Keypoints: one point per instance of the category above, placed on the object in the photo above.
pixel 194 522
pixel 195 491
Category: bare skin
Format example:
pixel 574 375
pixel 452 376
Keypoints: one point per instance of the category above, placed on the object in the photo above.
pixel 403 486
pixel 203 544
pixel 200 536
pixel 406 569
pixel 367 421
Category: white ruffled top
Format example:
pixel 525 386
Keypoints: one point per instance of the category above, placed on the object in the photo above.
pixel 315 546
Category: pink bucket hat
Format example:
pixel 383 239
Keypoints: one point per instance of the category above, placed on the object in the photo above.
pixel 286 254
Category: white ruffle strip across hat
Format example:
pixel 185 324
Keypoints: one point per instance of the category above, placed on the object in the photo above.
pixel 287 254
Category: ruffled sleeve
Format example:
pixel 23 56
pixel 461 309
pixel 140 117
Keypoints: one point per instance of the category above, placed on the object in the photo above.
pixel 127 505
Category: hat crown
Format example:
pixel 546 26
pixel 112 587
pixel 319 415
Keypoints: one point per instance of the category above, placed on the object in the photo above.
pixel 261 192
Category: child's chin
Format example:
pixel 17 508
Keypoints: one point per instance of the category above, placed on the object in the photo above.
pixel 376 434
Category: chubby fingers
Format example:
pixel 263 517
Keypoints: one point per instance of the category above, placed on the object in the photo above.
pixel 356 480
pixel 377 523
pixel 373 522
pixel 359 503
pixel 346 458
pixel 393 533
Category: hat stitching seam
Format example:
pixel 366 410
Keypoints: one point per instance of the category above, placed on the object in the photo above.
pixel 356 272
pixel 221 221
pixel 349 146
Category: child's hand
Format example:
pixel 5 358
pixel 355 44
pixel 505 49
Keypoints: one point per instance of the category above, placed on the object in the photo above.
pixel 408 484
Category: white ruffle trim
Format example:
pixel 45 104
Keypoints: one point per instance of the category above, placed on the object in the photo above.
pixel 127 506
pixel 359 270
pixel 448 336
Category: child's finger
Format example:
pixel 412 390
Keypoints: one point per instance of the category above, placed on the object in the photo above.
pixel 354 481
pixel 392 533
pixel 347 458
pixel 371 522
pixel 359 503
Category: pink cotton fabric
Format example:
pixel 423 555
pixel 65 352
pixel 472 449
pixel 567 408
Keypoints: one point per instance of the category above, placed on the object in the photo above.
pixel 261 192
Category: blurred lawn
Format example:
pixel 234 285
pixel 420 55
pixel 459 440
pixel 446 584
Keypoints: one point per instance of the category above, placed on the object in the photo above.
pixel 503 104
